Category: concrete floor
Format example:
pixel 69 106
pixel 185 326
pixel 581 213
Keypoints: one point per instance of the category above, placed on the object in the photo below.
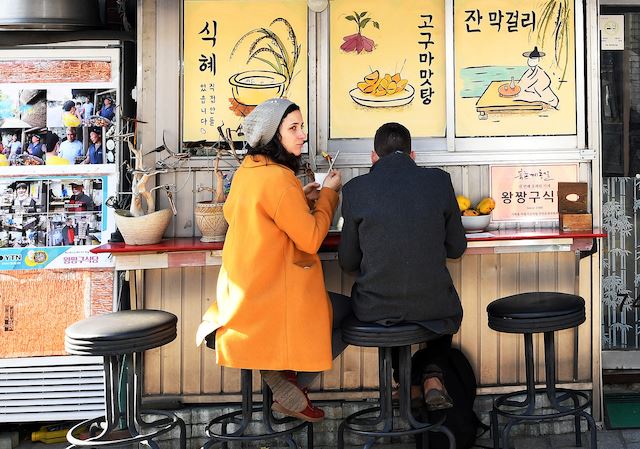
pixel 607 439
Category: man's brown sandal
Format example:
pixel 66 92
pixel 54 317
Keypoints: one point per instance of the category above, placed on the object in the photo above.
pixel 434 398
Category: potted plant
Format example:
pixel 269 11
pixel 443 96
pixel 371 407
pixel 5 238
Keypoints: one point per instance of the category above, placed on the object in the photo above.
pixel 142 224
pixel 209 215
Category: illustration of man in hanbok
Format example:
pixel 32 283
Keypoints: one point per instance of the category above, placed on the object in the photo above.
pixel 535 84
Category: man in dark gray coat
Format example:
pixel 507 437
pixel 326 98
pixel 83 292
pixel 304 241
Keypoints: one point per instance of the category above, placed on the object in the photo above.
pixel 401 223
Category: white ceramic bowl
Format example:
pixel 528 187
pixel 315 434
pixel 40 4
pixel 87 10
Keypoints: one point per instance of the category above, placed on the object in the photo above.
pixel 476 223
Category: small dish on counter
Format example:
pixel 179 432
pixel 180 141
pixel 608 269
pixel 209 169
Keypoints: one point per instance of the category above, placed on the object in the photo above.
pixel 475 223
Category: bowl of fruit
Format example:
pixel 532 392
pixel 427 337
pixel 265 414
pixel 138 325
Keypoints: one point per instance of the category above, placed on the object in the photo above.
pixel 475 219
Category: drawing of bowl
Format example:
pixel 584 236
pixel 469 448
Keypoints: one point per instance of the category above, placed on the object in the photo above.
pixel 387 101
pixel 255 86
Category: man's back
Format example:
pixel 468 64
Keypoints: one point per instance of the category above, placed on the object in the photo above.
pixel 401 222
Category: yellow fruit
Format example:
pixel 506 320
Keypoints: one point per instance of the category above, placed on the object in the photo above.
pixel 464 203
pixel 372 77
pixel 391 88
pixel 486 205
pixel 362 85
pixel 470 213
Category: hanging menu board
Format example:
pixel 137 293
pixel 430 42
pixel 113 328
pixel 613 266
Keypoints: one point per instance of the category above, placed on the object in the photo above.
pixel 238 53
pixel 387 65
pixel 514 68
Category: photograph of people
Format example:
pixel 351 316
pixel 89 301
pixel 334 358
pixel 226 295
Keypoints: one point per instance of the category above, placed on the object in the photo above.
pixel 35 147
pixel 88 107
pixel 108 109
pixel 82 232
pixel 70 115
pixel 51 148
pixel 94 153
pixel 68 233
pixel 71 149
pixel 84 201
pixel 23 203
pixel 15 149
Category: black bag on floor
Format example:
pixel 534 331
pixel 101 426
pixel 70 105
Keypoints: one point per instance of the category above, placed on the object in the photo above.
pixel 461 419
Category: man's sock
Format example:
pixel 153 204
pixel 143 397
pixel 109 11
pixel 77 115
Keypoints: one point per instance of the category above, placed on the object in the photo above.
pixel 284 392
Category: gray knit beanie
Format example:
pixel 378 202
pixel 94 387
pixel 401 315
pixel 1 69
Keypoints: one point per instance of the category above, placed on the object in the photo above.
pixel 262 123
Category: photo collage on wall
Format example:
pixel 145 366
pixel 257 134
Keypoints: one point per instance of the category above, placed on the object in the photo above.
pixel 51 212
pixel 56 126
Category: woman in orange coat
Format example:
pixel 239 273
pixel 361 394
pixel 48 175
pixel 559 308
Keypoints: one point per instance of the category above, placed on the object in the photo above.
pixel 273 312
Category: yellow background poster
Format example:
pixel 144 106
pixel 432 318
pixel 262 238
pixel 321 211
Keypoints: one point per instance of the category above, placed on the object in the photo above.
pixel 408 40
pixel 532 43
pixel 238 53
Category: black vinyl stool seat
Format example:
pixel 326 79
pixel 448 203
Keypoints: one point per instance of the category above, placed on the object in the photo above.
pixel 383 423
pixel 529 313
pixel 121 338
pixel 244 422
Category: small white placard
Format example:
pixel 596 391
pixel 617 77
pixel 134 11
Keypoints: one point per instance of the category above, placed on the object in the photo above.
pixel 612 32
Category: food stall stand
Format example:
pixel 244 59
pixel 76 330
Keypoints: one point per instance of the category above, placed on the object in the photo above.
pixel 442 57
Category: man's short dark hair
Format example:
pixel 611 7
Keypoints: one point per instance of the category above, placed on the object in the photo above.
pixel 392 137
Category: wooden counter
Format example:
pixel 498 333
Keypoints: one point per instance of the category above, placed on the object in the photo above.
pixel 179 275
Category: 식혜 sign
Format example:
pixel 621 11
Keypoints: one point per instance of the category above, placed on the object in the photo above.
pixel 528 192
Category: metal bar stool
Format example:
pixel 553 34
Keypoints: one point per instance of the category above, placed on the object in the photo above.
pixel 121 338
pixel 242 419
pixel 529 313
pixel 379 421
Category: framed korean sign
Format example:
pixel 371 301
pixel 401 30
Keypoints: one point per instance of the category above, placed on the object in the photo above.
pixel 515 68
pixel 528 192
pixel 387 63
pixel 238 53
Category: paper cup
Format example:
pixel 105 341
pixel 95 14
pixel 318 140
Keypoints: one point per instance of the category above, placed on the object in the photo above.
pixel 320 177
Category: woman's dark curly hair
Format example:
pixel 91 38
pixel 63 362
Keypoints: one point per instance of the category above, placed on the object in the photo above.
pixel 274 149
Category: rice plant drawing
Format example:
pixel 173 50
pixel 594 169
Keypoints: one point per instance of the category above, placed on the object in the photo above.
pixel 278 55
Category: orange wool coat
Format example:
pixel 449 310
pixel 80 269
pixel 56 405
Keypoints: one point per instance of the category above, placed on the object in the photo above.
pixel 272 310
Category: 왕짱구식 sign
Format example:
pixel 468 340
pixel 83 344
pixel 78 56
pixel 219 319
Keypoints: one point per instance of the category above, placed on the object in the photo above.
pixel 528 192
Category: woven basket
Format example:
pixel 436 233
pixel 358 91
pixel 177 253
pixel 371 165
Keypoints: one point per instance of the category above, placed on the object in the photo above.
pixel 144 230
pixel 210 221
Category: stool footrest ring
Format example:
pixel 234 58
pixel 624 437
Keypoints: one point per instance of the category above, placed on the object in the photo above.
pixel 566 393
pixel 167 423
pixel 354 418
pixel 230 418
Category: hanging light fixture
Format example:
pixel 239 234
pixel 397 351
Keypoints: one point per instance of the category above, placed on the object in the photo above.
pixel 318 5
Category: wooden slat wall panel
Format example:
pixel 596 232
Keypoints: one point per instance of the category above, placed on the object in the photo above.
pixel 331 380
pixel 184 370
pixel 509 345
pixel 172 380
pixel 211 373
pixel 488 287
pixel 152 358
pixel 470 297
pixel 191 317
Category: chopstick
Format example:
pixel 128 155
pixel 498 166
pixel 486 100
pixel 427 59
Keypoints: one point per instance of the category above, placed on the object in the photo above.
pixel 333 159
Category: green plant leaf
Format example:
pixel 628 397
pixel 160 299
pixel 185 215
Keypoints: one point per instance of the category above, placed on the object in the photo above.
pixel 351 18
pixel 364 22
pixel 376 25
pixel 362 14
pixel 357 15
